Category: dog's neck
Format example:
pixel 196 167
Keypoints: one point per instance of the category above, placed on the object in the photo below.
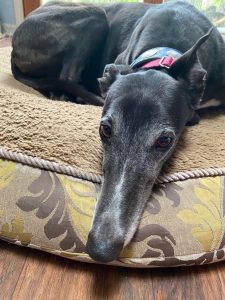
pixel 156 58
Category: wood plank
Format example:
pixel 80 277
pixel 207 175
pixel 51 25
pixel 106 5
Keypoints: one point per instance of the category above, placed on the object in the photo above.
pixel 153 1
pixel 30 5
pixel 45 275
pixel 199 282
pixel 12 260
pixel 28 274
pixel 127 283
pixel 209 281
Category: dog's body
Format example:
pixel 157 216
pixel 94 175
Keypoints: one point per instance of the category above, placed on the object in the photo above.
pixel 63 49
pixel 63 43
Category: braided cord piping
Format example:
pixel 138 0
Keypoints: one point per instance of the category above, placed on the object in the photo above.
pixel 193 174
pixel 48 165
pixel 72 171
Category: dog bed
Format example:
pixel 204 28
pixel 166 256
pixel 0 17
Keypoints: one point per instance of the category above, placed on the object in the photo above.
pixel 50 176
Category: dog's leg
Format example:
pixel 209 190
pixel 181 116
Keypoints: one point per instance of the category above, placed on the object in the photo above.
pixel 81 92
pixel 79 56
pixel 71 67
pixel 44 85
pixel 69 78
pixel 54 89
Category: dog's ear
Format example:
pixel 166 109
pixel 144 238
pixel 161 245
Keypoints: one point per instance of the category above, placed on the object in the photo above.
pixel 189 69
pixel 110 74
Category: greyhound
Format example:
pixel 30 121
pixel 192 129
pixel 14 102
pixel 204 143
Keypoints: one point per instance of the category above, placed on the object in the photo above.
pixel 160 64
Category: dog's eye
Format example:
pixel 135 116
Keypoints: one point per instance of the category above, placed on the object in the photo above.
pixel 105 131
pixel 163 142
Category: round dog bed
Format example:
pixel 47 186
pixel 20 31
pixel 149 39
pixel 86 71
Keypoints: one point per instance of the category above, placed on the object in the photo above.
pixel 50 176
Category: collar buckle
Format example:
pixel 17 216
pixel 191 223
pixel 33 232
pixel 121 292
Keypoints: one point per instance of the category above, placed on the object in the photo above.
pixel 168 62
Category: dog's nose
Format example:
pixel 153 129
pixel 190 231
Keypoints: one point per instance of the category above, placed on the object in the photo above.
pixel 104 250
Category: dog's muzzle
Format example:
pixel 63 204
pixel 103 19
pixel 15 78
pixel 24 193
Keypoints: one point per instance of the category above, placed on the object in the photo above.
pixel 104 250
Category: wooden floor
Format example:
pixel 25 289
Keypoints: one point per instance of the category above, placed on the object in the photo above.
pixel 27 274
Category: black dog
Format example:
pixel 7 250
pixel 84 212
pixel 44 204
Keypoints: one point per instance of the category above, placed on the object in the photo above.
pixel 167 62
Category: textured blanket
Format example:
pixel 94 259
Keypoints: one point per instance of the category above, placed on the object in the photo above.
pixel 67 133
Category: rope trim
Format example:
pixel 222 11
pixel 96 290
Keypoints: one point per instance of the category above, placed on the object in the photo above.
pixel 193 174
pixel 71 171
pixel 48 165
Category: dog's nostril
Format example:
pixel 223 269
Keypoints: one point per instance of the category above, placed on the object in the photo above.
pixel 104 250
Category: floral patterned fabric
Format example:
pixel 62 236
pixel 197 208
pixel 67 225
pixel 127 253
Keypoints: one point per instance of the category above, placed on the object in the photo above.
pixel 183 223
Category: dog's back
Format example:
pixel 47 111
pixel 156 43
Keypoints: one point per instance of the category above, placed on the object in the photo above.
pixel 49 48
pixel 176 25
pixel 124 31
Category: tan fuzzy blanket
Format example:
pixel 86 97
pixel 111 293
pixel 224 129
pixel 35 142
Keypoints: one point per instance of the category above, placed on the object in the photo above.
pixel 67 133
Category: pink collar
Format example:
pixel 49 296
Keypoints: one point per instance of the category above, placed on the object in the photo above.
pixel 164 62
pixel 160 57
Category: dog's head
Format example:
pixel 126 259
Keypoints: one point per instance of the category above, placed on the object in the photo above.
pixel 144 115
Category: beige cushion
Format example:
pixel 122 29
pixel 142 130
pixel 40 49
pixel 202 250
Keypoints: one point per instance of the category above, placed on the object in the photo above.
pixel 50 175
